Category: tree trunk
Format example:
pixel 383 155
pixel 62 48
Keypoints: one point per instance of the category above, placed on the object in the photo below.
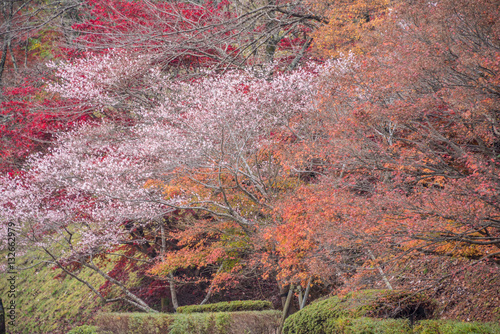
pixel 171 282
pixel 173 292
pixel 286 308
pixel 5 48
pixel 384 277
pixel 300 295
pixel 7 15
pixel 283 294
pixel 306 293
pixel 209 293
pixel 2 318
pixel 12 56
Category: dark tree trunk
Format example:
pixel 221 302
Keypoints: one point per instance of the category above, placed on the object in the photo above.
pixel 2 319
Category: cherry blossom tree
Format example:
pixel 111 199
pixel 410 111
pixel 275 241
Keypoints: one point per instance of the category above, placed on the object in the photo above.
pixel 194 145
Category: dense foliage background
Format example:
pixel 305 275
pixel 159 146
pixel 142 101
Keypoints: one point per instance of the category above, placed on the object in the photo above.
pixel 175 153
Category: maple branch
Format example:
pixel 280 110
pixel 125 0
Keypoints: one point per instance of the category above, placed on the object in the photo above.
pixel 320 19
pixel 130 258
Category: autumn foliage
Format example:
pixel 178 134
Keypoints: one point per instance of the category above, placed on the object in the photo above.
pixel 181 145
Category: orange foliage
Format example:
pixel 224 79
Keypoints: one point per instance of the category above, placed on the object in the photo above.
pixel 347 21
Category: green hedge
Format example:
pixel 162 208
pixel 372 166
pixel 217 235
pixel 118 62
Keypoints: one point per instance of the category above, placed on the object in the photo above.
pixel 83 330
pixel 314 318
pixel 134 323
pixel 237 305
pixel 366 325
pixel 255 322
pixel 377 312
pixel 456 327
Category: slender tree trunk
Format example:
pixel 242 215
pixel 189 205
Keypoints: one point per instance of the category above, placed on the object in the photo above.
pixel 171 282
pixel 5 48
pixel 12 57
pixel 286 308
pixel 306 293
pixel 163 241
pixel 300 55
pixel 173 292
pixel 300 295
pixel 7 16
pixel 209 293
pixel 384 277
pixel 283 294
pixel 2 318
pixel 26 50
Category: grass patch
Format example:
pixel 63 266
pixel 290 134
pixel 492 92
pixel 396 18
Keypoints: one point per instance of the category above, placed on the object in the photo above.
pixel 49 305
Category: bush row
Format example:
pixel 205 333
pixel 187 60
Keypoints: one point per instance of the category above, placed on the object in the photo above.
pixel 266 322
pixel 361 312
pixel 255 322
pixel 378 312
pixel 366 325
pixel 232 306
pixel 366 303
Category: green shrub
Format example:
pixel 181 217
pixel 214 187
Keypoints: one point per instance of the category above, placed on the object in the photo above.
pixel 84 330
pixel 367 303
pixel 367 326
pixel 363 325
pixel 237 305
pixel 455 327
pixel 201 323
pixel 135 323
pixel 254 322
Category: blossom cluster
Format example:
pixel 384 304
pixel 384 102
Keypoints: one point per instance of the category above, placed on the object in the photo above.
pixel 96 175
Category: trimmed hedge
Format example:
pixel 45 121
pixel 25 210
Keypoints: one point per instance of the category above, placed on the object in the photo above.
pixel 255 322
pixel 377 312
pixel 314 318
pixel 237 305
pixel 456 327
pixel 85 329
pixel 134 323
pixel 365 325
